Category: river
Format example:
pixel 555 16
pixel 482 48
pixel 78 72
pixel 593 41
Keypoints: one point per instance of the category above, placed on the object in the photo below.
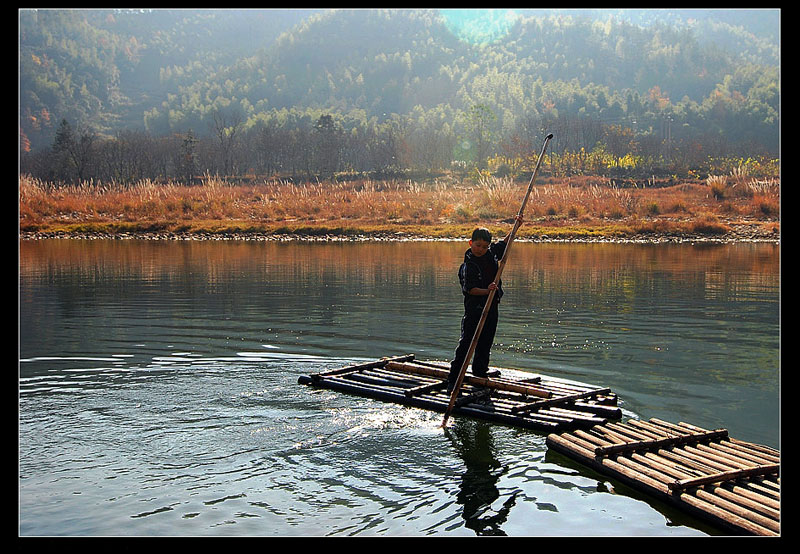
pixel 158 389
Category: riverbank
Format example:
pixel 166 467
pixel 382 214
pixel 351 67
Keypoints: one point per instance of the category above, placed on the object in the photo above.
pixel 640 231
pixel 585 210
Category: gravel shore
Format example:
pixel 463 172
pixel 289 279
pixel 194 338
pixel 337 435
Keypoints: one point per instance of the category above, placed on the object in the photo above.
pixel 739 233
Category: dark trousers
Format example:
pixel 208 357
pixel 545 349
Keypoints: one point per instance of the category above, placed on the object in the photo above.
pixel 480 360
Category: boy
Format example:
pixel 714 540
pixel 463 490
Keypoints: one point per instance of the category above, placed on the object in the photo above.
pixel 477 275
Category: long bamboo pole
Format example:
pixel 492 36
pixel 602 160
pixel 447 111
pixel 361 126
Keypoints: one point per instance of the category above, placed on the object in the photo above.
pixel 490 298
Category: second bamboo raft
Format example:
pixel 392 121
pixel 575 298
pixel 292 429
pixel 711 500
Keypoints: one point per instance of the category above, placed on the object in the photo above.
pixel 727 482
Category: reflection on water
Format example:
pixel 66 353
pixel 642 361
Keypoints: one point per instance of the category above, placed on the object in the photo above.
pixel 478 492
pixel 158 382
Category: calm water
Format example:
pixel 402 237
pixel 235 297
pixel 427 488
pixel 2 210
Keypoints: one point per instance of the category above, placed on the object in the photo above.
pixel 158 386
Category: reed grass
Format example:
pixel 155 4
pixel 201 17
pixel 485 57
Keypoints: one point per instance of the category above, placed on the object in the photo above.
pixel 592 205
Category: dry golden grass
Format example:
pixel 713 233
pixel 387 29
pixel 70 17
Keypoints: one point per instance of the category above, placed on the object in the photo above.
pixel 591 205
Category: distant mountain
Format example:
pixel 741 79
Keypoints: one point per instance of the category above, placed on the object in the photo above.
pixel 168 71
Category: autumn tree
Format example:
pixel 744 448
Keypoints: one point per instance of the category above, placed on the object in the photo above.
pixel 618 140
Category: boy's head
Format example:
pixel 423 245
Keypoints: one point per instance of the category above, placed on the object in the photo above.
pixel 480 242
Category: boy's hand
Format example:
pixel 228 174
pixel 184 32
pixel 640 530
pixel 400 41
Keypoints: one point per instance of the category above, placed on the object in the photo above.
pixel 492 286
pixel 520 219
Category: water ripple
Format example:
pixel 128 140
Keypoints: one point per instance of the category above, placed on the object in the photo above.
pixel 158 386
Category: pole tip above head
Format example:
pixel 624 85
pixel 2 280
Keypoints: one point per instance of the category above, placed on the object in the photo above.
pixel 548 137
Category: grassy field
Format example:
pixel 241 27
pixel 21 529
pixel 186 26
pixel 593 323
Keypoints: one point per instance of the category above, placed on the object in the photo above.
pixel 568 208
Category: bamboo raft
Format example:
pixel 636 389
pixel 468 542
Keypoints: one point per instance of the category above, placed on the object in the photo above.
pixel 513 397
pixel 727 482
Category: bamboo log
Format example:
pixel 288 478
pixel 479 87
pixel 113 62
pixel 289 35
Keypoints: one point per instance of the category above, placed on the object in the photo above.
pixel 669 428
pixel 608 412
pixel 683 484
pixel 731 448
pixel 375 380
pixel 616 433
pixel 721 462
pixel 691 463
pixel 576 415
pixel 746 490
pixel 410 380
pixel 364 383
pixel 736 494
pixel 737 510
pixel 733 460
pixel 692 454
pixel 729 518
pixel 677 470
pixel 529 390
pixel 660 443
pixel 358 367
pixel 760 448
pixel 661 465
pixel 647 428
pixel 559 400
pixel 526 387
pixel 428 387
pixel 769 485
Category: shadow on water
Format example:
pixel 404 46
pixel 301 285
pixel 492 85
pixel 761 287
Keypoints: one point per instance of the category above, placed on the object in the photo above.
pixel 673 517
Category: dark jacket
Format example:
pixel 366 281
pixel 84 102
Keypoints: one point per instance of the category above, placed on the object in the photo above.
pixel 480 272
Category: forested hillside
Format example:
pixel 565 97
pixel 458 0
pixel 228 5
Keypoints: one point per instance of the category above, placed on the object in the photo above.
pixel 175 93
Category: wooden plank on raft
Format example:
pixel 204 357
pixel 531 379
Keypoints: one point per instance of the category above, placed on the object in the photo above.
pixel 724 481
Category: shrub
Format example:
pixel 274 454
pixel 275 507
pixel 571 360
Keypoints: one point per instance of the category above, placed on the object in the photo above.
pixel 718 185
pixel 708 224
pixel 765 205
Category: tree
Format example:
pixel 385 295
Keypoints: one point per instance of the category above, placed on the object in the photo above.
pixel 188 159
pixel 480 124
pixel 226 129
pixel 267 148
pixel 327 145
pixel 618 140
pixel 73 151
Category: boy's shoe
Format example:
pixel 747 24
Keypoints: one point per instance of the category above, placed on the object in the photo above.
pixel 490 373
